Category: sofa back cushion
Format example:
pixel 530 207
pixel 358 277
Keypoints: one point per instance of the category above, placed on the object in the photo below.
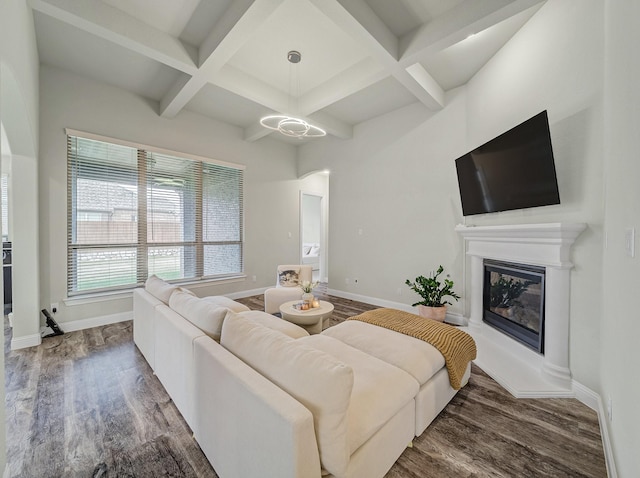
pixel 158 288
pixel 206 316
pixel 272 322
pixel 222 301
pixel 319 381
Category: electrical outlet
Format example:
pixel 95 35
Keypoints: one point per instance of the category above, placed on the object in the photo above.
pixel 399 291
pixel 253 278
pixel 54 307
pixel 347 281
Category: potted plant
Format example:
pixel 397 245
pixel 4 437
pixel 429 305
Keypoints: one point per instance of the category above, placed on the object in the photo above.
pixel 433 292
pixel 307 289
pixel 504 294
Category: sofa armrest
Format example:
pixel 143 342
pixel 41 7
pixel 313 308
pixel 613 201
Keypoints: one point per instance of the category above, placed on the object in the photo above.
pixel 245 424
pixel 144 309
pixel 174 336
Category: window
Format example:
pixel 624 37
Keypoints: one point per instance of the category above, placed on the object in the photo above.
pixel 134 211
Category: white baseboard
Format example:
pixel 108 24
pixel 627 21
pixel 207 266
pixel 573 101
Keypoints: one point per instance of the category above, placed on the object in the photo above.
pixel 452 318
pixel 370 300
pixel 587 396
pixel 26 341
pixel 75 325
pixel 606 441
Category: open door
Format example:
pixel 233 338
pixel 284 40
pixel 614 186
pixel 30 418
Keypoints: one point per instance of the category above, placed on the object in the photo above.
pixel 312 244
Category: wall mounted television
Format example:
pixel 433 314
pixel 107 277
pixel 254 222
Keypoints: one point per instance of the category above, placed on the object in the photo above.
pixel 516 170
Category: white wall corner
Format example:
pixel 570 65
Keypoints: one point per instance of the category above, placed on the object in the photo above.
pixel 26 341
pixel 606 441
pixel 593 400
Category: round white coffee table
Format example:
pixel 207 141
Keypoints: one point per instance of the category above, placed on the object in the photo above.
pixel 311 319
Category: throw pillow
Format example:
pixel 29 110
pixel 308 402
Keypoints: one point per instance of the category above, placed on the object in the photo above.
pixel 206 316
pixel 222 301
pixel 274 323
pixel 288 278
pixel 159 288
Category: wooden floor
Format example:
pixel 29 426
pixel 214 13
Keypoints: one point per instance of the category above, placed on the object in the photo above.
pixel 86 404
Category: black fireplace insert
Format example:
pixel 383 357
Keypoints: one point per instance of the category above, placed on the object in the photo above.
pixel 513 301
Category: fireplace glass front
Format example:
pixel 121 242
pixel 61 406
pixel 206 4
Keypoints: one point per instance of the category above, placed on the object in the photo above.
pixel 513 301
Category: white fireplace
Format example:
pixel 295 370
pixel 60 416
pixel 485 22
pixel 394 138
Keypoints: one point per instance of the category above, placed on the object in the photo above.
pixel 519 369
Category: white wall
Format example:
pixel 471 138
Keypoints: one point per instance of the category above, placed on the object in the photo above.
pixel 555 63
pixel 271 184
pixel 396 182
pixel 620 324
pixel 391 201
pixel 19 117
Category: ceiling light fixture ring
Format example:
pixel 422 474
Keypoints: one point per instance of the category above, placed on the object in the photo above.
pixel 292 126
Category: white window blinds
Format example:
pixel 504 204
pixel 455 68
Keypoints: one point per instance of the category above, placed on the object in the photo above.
pixel 134 212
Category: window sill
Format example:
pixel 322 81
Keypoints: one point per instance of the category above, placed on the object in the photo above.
pixel 118 295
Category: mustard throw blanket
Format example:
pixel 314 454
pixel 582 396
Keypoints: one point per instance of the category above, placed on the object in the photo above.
pixel 457 347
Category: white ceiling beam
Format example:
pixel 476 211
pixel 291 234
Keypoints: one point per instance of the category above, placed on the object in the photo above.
pixel 355 17
pixel 239 22
pixel 469 17
pixel 427 84
pixel 331 125
pixel 109 23
pixel 361 75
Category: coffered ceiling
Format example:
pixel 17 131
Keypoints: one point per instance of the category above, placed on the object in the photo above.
pixel 227 59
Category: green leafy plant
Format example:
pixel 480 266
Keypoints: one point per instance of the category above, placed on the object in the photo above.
pixel 504 293
pixel 432 290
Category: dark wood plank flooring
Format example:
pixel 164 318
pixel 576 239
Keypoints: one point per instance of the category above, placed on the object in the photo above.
pixel 87 404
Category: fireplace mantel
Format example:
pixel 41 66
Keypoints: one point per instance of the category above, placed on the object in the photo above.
pixel 519 369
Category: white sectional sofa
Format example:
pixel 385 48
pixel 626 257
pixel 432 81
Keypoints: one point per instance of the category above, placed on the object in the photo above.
pixel 266 399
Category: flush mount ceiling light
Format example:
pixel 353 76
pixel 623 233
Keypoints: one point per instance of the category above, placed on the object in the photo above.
pixel 290 125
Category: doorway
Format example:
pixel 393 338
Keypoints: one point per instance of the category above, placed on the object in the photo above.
pixel 312 241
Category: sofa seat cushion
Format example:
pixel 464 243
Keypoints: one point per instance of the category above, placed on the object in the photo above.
pixel 380 390
pixel 206 316
pixel 275 323
pixel 158 288
pixel 222 301
pixel 319 381
pixel 416 357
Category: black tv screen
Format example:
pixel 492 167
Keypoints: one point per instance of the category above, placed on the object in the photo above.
pixel 516 170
